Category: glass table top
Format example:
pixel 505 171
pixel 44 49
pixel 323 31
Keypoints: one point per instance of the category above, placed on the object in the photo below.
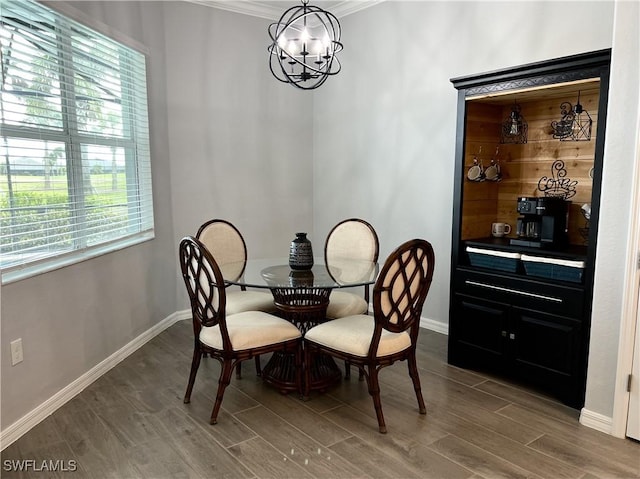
pixel 276 273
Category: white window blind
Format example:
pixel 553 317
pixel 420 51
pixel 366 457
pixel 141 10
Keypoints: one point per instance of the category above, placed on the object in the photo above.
pixel 75 172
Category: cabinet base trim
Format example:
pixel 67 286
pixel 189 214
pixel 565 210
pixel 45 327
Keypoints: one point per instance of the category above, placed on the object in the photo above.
pixel 514 291
pixel 596 421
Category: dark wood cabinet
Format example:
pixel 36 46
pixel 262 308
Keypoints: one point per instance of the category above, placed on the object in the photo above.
pixel 515 322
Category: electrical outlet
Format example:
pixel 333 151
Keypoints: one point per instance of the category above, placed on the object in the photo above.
pixel 16 351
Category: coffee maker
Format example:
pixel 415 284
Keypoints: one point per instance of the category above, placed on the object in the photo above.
pixel 543 222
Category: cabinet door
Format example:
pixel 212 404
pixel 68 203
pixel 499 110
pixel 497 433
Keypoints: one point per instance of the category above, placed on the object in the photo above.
pixel 478 332
pixel 546 351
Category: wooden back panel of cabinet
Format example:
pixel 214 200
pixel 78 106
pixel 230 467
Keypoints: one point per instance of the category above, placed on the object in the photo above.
pixel 523 165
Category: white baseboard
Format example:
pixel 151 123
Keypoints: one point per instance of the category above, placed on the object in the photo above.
pixel 596 421
pixel 588 418
pixel 437 326
pixel 23 425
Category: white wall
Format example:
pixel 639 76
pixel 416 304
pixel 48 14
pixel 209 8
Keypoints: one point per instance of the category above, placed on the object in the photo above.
pixel 615 256
pixel 241 142
pixel 73 318
pixel 385 127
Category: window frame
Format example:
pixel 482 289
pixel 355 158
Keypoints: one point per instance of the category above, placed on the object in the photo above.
pixel 144 229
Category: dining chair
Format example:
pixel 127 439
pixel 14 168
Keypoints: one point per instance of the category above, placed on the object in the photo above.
pixel 229 338
pixel 352 238
pixel 226 244
pixel 398 296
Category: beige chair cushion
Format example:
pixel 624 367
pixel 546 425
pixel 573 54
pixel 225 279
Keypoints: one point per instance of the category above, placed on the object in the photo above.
pixel 240 301
pixel 342 304
pixel 353 335
pixel 249 330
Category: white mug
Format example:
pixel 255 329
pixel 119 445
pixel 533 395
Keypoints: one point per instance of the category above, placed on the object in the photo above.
pixel 500 229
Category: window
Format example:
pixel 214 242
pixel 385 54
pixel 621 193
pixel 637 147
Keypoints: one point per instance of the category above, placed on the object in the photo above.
pixel 75 172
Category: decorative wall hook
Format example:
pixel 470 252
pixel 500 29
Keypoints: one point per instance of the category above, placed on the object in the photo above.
pixel 493 171
pixel 476 171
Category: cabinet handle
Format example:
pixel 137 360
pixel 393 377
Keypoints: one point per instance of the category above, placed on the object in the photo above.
pixel 515 291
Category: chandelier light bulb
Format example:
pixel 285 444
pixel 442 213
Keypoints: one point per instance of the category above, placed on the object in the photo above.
pixel 575 127
pixel 318 50
pixel 282 41
pixel 304 36
pixel 514 127
pixel 326 45
pixel 291 48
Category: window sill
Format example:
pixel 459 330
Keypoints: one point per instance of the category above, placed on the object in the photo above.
pixel 20 273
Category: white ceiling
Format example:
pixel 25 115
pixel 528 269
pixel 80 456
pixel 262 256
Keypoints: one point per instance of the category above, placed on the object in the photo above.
pixel 274 9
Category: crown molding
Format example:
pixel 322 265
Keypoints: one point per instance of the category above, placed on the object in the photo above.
pixel 273 10
pixel 347 7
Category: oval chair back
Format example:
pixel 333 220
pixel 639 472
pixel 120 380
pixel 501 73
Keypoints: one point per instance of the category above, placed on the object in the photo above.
pixel 352 238
pixel 226 244
pixel 205 286
pixel 401 289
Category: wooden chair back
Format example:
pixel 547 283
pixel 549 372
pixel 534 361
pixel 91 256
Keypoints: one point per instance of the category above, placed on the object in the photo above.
pixel 401 289
pixel 205 286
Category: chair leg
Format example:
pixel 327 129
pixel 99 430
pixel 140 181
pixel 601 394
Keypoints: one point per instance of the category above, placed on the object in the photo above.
pixel 307 371
pixel 347 371
pixel 223 382
pixel 258 367
pixel 298 366
pixel 413 372
pixel 374 391
pixel 195 364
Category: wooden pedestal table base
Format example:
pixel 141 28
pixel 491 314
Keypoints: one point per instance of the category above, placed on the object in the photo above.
pixel 305 308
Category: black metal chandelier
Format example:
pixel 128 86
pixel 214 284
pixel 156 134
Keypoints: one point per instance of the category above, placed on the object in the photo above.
pixel 575 124
pixel 304 45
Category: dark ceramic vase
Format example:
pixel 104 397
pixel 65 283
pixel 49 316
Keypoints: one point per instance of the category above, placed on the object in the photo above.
pixel 300 253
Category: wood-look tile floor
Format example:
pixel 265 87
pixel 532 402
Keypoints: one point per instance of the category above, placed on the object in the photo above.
pixel 131 423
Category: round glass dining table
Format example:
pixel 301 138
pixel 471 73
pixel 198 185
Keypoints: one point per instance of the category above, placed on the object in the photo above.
pixel 301 297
